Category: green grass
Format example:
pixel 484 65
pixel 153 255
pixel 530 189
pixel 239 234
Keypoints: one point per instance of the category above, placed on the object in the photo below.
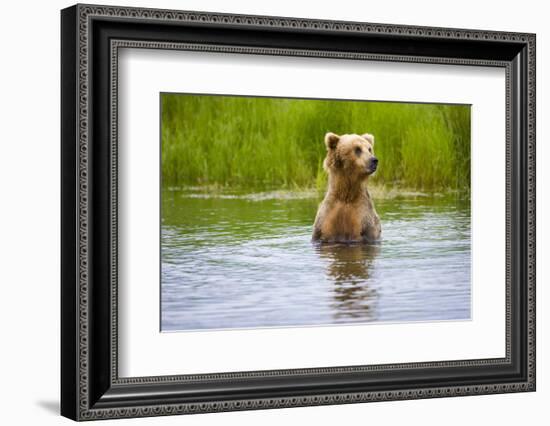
pixel 251 142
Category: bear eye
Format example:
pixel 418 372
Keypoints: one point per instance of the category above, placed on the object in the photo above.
pixel 370 150
pixel 358 151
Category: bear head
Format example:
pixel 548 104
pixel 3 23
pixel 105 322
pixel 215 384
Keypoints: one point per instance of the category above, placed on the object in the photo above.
pixel 350 154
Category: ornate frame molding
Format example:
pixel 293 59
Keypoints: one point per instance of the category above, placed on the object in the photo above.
pixel 82 16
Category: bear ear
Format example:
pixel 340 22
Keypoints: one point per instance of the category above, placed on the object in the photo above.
pixel 368 137
pixel 331 140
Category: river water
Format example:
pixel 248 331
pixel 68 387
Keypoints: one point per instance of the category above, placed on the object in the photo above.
pixel 245 260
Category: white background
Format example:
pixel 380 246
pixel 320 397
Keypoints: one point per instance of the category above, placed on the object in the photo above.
pixel 146 352
pixel 29 225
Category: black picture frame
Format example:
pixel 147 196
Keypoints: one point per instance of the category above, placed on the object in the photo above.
pixel 90 386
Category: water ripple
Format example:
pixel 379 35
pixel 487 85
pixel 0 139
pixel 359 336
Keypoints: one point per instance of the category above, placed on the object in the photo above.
pixel 249 262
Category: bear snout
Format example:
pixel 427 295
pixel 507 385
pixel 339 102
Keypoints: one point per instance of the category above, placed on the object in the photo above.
pixel 373 164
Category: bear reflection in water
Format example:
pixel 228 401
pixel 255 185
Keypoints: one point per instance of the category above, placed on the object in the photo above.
pixel 349 267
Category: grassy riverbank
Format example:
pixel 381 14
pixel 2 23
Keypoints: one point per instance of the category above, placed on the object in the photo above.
pixel 245 141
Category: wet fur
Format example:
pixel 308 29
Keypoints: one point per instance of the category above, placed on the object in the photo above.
pixel 347 213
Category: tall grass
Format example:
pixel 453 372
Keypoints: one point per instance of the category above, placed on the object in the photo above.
pixel 249 141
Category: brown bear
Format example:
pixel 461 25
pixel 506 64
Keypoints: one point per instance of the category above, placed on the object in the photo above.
pixel 347 213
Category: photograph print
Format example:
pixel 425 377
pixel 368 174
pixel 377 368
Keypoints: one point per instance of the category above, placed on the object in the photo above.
pixel 292 212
